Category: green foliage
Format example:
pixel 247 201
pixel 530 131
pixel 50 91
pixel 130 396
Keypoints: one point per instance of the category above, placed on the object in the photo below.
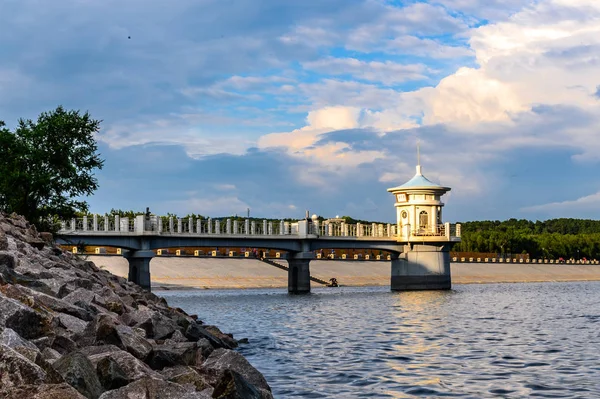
pixel 46 166
pixel 552 239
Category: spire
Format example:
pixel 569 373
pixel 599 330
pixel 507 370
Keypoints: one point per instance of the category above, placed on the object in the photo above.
pixel 418 159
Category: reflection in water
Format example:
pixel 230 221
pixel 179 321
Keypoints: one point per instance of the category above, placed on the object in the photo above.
pixel 478 341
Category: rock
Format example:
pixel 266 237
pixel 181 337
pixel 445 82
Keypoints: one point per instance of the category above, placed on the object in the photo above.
pixel 226 338
pixel 26 322
pixel 150 388
pixel 185 375
pixel 174 354
pixel 156 325
pixel 90 351
pixel 37 299
pixel 232 385
pixel 80 373
pixel 110 374
pixel 195 332
pixel 10 338
pixel 118 368
pixel 50 355
pixel 204 349
pixel 80 295
pixel 225 359
pixel 70 323
pixel 133 343
pixel 16 369
pixel 111 301
pixel 106 330
pixel 3 241
pixel 43 391
pixel 177 337
pixel 52 376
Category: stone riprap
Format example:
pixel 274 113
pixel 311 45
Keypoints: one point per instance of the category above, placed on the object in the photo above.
pixel 71 330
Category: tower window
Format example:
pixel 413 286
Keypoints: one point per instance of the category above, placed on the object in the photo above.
pixel 423 220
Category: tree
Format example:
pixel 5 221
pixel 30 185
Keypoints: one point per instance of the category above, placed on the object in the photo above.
pixel 47 166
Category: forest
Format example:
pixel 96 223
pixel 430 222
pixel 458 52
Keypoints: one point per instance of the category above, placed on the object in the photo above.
pixel 552 239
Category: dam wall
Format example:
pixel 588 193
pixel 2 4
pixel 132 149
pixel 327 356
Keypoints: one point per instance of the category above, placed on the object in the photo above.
pixel 230 273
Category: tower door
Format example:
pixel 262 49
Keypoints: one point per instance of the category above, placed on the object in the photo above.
pixel 423 220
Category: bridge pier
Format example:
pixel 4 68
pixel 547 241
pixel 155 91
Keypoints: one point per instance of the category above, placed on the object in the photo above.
pixel 299 272
pixel 139 267
pixel 422 267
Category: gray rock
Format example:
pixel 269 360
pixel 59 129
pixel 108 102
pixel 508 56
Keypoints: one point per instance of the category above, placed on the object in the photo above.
pixel 150 388
pixel 120 368
pixel 204 350
pixel 226 338
pixel 27 322
pixel 99 349
pixel 133 343
pixel 10 338
pixel 232 385
pixel 185 375
pixel 50 355
pixel 225 359
pixel 3 241
pixel 80 373
pixel 70 323
pixel 195 332
pixel 16 369
pixel 174 354
pixel 43 391
pixel 80 295
pixel 156 325
pixel 40 300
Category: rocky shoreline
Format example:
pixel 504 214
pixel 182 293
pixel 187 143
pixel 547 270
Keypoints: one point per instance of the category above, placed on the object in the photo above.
pixel 71 330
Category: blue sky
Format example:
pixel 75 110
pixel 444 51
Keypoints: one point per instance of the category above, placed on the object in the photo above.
pixel 214 107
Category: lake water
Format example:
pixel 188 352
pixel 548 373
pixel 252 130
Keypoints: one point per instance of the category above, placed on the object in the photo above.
pixel 476 341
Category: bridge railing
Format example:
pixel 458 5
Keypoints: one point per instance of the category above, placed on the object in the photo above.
pixel 246 227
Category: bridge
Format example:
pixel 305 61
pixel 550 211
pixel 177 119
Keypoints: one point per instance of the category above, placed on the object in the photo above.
pixel 419 242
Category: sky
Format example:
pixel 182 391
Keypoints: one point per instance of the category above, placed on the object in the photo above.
pixel 219 106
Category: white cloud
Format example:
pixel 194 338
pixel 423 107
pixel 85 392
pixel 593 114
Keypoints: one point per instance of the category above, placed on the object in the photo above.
pixel 387 72
pixel 578 207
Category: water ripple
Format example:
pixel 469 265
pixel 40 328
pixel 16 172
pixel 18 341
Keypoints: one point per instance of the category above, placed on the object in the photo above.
pixel 477 341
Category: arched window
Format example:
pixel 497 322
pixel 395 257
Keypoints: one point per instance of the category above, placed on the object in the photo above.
pixel 423 220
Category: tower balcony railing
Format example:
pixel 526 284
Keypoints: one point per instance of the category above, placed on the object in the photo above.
pixel 452 231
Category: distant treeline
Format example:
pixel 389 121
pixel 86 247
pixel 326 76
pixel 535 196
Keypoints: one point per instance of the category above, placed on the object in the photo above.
pixel 553 239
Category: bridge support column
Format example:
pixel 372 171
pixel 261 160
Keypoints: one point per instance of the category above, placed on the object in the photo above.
pixel 422 267
pixel 299 272
pixel 139 267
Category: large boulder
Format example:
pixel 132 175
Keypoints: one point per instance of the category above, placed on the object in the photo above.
pixel 107 330
pixel 10 338
pixel 156 325
pixel 118 368
pixel 185 375
pixel 195 332
pixel 43 391
pixel 232 385
pixel 80 373
pixel 16 369
pixel 225 359
pixel 27 322
pixel 150 388
pixel 173 354
pixel 40 300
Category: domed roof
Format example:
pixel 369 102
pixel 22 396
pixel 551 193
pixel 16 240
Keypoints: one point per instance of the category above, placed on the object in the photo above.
pixel 314 217
pixel 419 181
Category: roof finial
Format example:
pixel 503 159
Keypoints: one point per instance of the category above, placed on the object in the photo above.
pixel 418 158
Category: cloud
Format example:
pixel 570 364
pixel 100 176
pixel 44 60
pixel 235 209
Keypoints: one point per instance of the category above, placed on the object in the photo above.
pixel 578 207
pixel 389 73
